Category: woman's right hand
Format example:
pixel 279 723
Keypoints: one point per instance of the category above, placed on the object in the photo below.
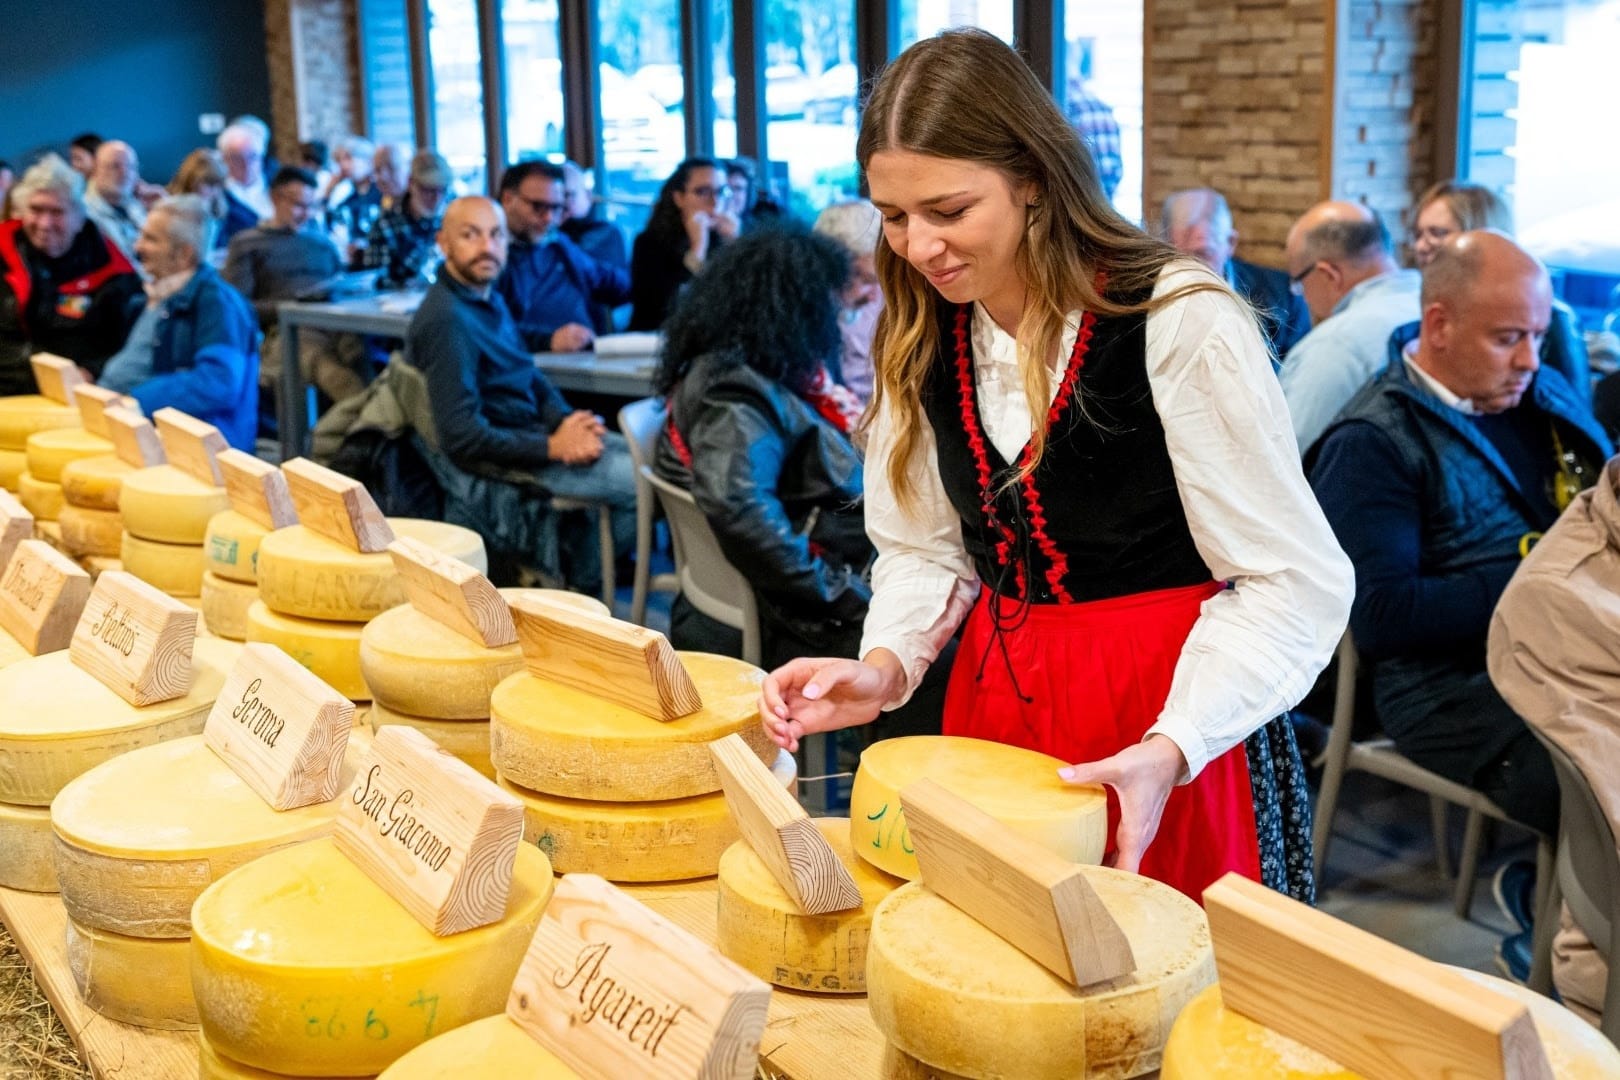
pixel 815 694
pixel 698 225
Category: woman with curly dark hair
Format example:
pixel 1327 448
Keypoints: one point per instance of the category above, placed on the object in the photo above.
pixel 689 223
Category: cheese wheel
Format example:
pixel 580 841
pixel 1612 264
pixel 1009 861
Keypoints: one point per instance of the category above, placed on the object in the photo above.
pixel 417 665
pixel 212 1065
pixel 91 532
pixel 12 651
pixel 99 564
pixel 95 482
pixel 39 498
pixel 13 463
pixel 27 855
pixel 668 840
pixel 50 451
pixel 1017 787
pixel 59 721
pixel 140 981
pixel 492 1047
pixel 303 573
pixel 141 836
pixel 232 544
pixel 304 965
pixel 466 739
pixel 164 504
pixel 176 569
pixel 24 414
pixel 225 606
pixel 330 649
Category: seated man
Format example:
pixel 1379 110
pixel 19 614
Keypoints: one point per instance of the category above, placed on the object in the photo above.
pixel 1198 222
pixel 247 199
pixel 550 284
pixel 601 240
pixel 403 238
pixel 63 288
pixel 110 200
pixel 195 347
pixel 1341 261
pixel 502 430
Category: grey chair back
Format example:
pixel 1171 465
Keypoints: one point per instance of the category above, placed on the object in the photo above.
pixel 710 583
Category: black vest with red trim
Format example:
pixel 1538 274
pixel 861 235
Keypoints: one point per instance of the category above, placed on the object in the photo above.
pixel 1100 517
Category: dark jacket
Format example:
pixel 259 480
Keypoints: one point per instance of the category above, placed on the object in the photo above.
pixel 1564 349
pixel 553 283
pixel 657 274
pixel 239 217
pixel 1284 318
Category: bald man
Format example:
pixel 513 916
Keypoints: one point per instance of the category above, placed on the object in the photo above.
pixel 109 197
pixel 1341 261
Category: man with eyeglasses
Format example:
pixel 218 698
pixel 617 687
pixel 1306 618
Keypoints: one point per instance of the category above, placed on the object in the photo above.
pixel 550 283
pixel 403 241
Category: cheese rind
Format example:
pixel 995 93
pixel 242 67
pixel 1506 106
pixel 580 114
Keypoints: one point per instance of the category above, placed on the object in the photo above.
pixel 212 1065
pixel 48 452
pixel 231 546
pixel 302 964
pixel 305 574
pixel 176 569
pixel 23 414
pixel 42 500
pixel 140 981
pixel 13 463
pixel 225 606
pixel 27 858
pixel 95 482
pixel 329 649
pixel 91 532
pixel 415 664
pixel 466 739
pixel 558 740
pixel 491 1047
pixel 169 506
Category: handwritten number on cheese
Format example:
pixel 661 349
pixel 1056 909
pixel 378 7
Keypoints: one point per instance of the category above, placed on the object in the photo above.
pixel 428 1003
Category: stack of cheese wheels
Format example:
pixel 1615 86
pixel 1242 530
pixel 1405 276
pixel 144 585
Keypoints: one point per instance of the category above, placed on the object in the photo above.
pixel 92 528
pixel 303 966
pixel 165 517
pixel 230 584
pixel 138 838
pixel 954 999
pixel 57 722
pixel 427 676
pixel 47 453
pixel 609 791
pixel 20 417
pixel 315 595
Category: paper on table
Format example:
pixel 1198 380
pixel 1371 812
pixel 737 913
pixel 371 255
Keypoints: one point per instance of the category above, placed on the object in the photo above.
pixel 639 344
pixel 401 303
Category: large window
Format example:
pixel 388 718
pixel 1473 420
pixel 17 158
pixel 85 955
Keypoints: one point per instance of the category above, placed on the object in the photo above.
pixel 1102 93
pixel 925 18
pixel 458 90
pixel 725 84
pixel 810 96
pixel 534 103
pixel 642 112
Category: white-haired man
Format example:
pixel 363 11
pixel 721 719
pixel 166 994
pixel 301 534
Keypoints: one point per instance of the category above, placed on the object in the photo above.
pixel 247 196
pixel 109 198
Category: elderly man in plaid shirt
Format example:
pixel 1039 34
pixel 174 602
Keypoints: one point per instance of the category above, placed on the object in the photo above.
pixel 1094 121
pixel 404 238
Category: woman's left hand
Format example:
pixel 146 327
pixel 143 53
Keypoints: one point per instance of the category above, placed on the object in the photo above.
pixel 1142 776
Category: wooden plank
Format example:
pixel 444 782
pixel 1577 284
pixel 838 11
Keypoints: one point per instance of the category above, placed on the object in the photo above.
pixel 16 525
pixel 136 640
pixel 57 376
pixel 94 401
pixel 191 445
pixel 134 439
pixel 337 507
pixel 257 490
pixel 42 595
pixel 1372 1006
pixel 449 591
pixel 624 663
pixel 779 830
pixel 1027 894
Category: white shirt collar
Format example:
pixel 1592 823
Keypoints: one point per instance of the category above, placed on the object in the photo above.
pixel 165 287
pixel 1432 384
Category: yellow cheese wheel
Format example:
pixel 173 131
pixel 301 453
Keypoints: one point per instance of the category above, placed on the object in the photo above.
pixel 27 856
pixel 951 993
pixel 466 739
pixel 139 837
pixel 1017 787
pixel 225 606
pixel 58 721
pixel 176 569
pixel 95 482
pixel 330 649
pixel 561 741
pixel 13 463
pixel 212 1065
pixel 232 544
pixel 417 665
pixel 99 564
pixel 91 532
pixel 491 1047
pixel 141 981
pixel 50 451
pixel 303 573
pixel 302 964
pixel 163 503
pixel 11 650
pixel 42 500
pixel 24 414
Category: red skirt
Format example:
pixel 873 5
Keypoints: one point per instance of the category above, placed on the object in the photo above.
pixel 1082 682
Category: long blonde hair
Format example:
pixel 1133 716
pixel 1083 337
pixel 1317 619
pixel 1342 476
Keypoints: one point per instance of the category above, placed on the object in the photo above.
pixel 967 96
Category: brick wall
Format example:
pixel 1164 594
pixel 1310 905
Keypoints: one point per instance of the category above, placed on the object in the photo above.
pixel 314 76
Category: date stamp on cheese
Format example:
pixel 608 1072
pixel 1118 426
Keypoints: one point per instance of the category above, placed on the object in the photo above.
pixel 448 591
pixel 57 376
pixel 615 989
pixel 257 490
pixel 435 834
pixel 134 439
pixel 93 403
pixel 42 595
pixel 337 507
pixel 627 664
pixel 191 445
pixel 280 728
pixel 135 640
pixel 16 525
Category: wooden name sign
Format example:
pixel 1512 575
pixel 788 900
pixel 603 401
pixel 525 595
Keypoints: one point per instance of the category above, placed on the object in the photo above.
pixel 449 591
pixel 135 640
pixel 624 663
pixel 1027 894
pixel 614 989
pixel 134 439
pixel 257 490
pixel 280 728
pixel 93 403
pixel 57 376
pixel 191 445
pixel 337 507
pixel 42 595
pixel 16 525
pixel 1370 1005
pixel 781 833
pixel 435 834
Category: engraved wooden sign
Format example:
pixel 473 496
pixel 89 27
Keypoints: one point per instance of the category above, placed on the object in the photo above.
pixel 624 663
pixel 16 525
pixel 781 832
pixel 280 728
pixel 615 989
pixel 257 490
pixel 337 507
pixel 93 402
pixel 135 640
pixel 134 439
pixel 42 595
pixel 449 591
pixel 57 376
pixel 435 834
pixel 1370 1005
pixel 1030 896
pixel 191 445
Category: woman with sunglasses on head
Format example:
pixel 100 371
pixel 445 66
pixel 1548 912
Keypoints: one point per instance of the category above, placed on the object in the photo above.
pixel 1077 447
pixel 690 219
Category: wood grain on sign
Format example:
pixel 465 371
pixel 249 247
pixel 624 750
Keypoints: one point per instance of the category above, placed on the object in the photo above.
pixel 431 831
pixel 42 595
pixel 16 525
pixel 134 439
pixel 1030 896
pixel 135 640
pixel 257 490
pixel 280 728
pixel 1367 1003
pixel 193 446
pixel 93 402
pixel 624 663
pixel 449 591
pixel 781 832
pixel 614 989
pixel 57 376
pixel 337 507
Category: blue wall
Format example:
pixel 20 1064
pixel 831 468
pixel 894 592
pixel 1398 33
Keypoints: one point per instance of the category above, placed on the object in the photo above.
pixel 137 70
